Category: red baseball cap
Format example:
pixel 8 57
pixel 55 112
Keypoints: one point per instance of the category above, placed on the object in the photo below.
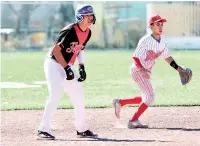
pixel 156 18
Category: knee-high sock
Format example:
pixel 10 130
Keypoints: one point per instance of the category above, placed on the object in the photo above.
pixel 135 100
pixel 139 112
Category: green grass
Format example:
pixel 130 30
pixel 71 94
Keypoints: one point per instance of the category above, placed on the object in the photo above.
pixel 107 77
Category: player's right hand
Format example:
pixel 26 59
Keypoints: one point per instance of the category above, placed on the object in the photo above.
pixel 145 73
pixel 69 73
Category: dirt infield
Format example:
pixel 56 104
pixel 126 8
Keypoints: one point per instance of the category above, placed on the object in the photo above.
pixel 170 126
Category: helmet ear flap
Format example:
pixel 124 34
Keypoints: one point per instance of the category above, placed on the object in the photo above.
pixel 79 18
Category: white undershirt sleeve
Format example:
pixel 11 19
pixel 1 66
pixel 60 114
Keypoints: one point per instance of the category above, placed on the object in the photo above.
pixel 80 57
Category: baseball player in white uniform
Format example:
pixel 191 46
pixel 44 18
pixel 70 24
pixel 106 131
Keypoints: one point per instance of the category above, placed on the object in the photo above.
pixel 149 48
pixel 60 74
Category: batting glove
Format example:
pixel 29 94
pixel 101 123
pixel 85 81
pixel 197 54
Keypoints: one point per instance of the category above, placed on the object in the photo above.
pixel 69 73
pixel 82 73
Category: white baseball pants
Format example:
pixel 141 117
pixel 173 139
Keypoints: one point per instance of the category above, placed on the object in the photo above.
pixel 57 85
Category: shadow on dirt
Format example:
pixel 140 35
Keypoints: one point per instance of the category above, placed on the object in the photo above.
pixel 111 140
pixel 181 129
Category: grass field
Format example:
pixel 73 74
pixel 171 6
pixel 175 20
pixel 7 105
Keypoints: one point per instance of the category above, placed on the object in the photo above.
pixel 107 77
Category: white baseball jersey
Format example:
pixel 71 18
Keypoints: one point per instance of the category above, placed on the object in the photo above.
pixel 149 49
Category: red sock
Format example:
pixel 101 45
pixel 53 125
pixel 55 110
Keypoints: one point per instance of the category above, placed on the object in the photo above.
pixel 136 100
pixel 141 109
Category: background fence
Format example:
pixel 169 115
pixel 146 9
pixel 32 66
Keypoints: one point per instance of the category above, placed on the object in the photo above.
pixel 119 24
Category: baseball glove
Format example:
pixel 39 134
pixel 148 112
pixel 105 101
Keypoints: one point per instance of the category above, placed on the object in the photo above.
pixel 185 75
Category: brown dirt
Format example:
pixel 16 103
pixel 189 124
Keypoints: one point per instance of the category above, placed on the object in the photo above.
pixel 171 126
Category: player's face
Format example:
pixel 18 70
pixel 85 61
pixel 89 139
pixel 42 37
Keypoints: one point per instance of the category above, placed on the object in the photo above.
pixel 87 20
pixel 157 28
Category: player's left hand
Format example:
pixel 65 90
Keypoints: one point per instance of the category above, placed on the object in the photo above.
pixel 82 73
pixel 185 75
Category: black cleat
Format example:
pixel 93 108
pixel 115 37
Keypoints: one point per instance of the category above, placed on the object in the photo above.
pixel 44 136
pixel 86 134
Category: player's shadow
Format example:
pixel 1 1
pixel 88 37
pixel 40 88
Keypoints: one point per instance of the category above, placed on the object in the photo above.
pixel 181 129
pixel 110 140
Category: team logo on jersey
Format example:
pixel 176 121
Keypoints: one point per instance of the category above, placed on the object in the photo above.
pixel 151 55
pixel 75 48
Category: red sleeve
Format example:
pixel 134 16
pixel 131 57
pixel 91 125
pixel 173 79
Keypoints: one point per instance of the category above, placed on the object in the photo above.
pixel 137 62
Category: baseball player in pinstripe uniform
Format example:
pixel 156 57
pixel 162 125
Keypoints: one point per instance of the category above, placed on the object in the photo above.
pixel 149 48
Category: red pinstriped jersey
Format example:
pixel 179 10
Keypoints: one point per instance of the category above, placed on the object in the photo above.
pixel 149 49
